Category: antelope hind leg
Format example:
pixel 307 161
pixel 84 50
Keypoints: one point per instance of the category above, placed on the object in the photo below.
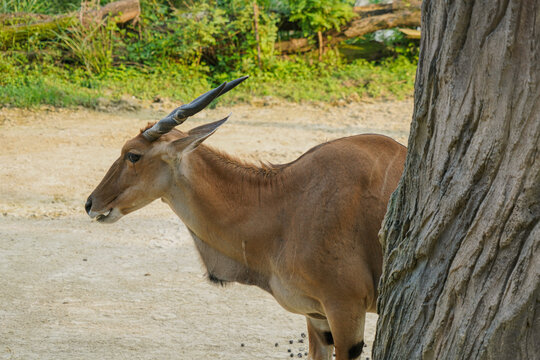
pixel 320 339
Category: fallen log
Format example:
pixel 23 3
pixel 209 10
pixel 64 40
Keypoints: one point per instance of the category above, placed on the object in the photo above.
pixel 368 19
pixel 19 17
pixel 46 27
pixel 410 33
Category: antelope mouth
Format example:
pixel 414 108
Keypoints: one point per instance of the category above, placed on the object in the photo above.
pixel 109 216
pixel 103 217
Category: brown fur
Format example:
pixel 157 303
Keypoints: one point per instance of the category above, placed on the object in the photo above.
pixel 148 126
pixel 244 168
pixel 306 231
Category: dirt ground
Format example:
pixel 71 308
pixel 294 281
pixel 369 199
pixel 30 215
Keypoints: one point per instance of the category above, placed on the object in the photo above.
pixel 71 288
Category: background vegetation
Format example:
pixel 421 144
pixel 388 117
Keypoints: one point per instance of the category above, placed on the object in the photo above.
pixel 180 48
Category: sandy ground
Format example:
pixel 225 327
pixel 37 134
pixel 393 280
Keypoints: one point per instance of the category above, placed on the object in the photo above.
pixel 71 288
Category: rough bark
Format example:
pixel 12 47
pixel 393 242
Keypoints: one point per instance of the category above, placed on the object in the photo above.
pixel 369 18
pixel 46 27
pixel 461 236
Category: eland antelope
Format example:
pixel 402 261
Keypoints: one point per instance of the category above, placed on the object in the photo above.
pixel 305 231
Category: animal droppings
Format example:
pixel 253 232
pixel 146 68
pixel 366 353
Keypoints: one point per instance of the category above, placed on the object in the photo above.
pixel 290 341
pixel 288 350
pixel 301 341
pixel 292 355
pixel 242 344
pixel 305 354
pixel 276 344
pixel 299 355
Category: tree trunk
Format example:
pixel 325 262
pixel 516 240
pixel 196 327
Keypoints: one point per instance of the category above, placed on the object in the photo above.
pixel 462 236
pixel 321 45
pixel 256 23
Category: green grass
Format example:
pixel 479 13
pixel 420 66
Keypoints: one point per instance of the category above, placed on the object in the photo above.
pixel 45 84
pixel 31 90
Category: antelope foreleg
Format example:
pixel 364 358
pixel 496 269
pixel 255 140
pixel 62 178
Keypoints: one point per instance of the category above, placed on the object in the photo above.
pixel 347 326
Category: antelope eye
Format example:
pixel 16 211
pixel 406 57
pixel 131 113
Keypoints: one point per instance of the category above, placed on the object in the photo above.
pixel 133 157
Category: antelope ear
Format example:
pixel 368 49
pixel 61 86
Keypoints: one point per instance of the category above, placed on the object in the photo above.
pixel 196 136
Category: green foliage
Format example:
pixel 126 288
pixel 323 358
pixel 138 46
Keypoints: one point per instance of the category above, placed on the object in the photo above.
pixel 321 15
pixel 27 85
pixel 297 79
pixel 216 33
pixel 181 35
pixel 38 6
pixel 180 48
pixel 24 6
pixel 91 45
pixel 387 43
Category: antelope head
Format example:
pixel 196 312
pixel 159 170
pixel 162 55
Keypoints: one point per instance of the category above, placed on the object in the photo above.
pixel 142 173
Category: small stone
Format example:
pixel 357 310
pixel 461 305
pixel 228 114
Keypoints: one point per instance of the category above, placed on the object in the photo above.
pixel 303 335
pixel 290 341
pixel 292 355
pixel 299 355
pixel 305 354
pixel 301 341
pixel 288 350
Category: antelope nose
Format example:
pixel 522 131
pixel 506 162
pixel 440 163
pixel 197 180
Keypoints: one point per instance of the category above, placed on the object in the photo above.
pixel 88 205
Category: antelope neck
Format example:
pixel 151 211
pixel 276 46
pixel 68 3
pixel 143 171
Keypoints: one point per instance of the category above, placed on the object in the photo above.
pixel 229 205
